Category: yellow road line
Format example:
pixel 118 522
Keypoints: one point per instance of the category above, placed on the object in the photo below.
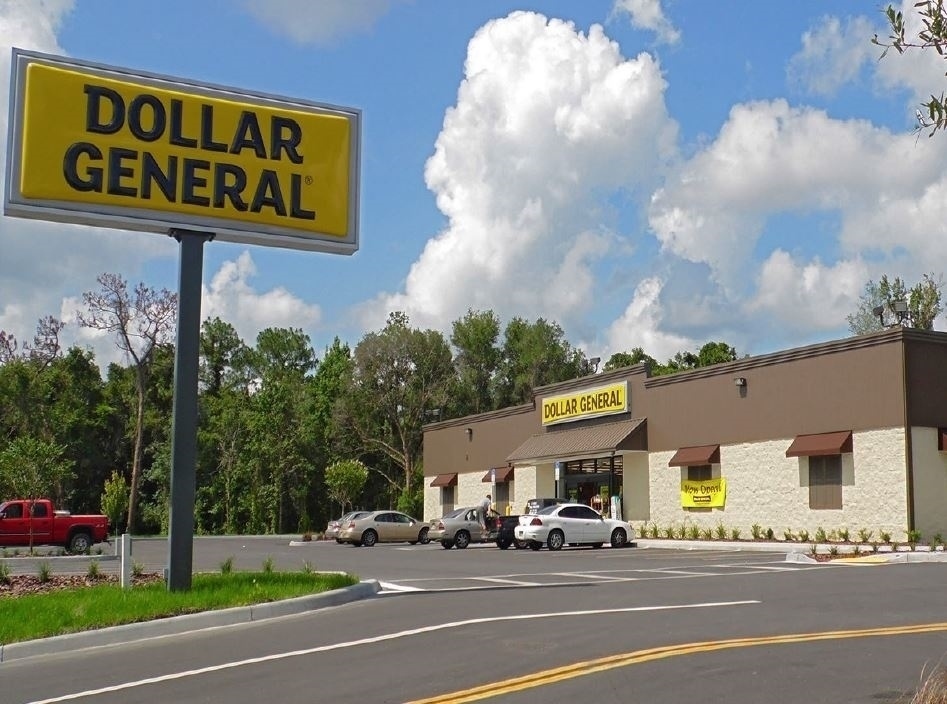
pixel 588 667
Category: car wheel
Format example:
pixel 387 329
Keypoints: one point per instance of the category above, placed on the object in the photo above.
pixel 80 543
pixel 447 544
pixel 555 540
pixel 422 536
pixel 339 541
pixel 503 544
pixel 462 539
pixel 619 538
pixel 357 543
pixel 520 544
pixel 535 545
pixel 369 538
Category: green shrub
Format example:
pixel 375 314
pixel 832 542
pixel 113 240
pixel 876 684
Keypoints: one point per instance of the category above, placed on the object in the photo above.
pixel 833 550
pixel 693 533
pixel 843 535
pixel 788 536
pixel 885 537
pixel 44 572
pixel 138 569
pixel 268 565
pixel 820 536
pixel 756 530
pixel 93 572
pixel 938 539
pixel 734 534
pixel 721 531
pixel 653 530
pixel 307 567
pixel 914 537
pixel 864 535
pixel 707 534
pixel 803 536
pixel 681 532
pixel 226 567
pixel 4 573
pixel 770 535
pixel 669 532
pixel 813 548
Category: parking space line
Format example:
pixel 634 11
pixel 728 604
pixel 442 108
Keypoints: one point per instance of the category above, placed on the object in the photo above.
pixel 498 580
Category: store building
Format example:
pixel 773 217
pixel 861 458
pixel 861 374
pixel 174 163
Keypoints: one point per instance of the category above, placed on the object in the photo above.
pixel 845 435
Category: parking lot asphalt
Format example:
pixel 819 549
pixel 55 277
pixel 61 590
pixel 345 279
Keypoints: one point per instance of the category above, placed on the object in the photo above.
pixel 368 588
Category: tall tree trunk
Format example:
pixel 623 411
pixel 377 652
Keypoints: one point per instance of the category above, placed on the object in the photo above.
pixel 137 458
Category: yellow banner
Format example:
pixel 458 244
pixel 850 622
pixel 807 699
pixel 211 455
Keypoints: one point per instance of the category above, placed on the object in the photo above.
pixel 588 403
pixel 140 148
pixel 710 493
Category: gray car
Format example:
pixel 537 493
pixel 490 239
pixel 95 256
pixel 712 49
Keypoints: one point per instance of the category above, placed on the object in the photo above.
pixel 461 527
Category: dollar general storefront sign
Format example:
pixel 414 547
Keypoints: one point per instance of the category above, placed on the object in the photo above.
pixel 709 493
pixel 588 403
pixel 101 145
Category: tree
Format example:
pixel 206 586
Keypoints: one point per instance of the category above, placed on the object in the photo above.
pixel 115 499
pixel 715 353
pixel 931 35
pixel 877 307
pixel 30 469
pixel 345 480
pixel 628 359
pixel 398 375
pixel 475 338
pixel 534 355
pixel 140 321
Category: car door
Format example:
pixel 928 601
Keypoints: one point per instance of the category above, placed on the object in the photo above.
pixel 472 523
pixel 385 527
pixel 42 523
pixel 594 529
pixel 407 527
pixel 572 526
pixel 13 524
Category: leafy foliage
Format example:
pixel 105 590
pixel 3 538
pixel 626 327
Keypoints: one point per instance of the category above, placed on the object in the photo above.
pixel 931 34
pixel 877 307
pixel 345 481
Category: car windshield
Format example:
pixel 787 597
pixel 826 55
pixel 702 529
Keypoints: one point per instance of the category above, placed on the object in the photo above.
pixel 546 510
pixel 456 513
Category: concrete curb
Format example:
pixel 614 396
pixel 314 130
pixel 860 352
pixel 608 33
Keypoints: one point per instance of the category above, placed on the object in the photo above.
pixel 800 552
pixel 192 622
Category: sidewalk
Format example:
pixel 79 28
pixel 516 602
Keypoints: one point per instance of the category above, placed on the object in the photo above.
pixel 802 552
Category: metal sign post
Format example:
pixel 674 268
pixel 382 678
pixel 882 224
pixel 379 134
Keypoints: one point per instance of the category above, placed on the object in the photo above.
pixel 184 414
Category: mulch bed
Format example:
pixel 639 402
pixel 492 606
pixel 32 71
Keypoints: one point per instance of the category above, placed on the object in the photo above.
pixel 20 585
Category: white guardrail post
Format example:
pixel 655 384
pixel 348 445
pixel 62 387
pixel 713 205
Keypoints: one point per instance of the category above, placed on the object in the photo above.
pixel 125 550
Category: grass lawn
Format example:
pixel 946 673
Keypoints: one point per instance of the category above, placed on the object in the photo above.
pixel 72 610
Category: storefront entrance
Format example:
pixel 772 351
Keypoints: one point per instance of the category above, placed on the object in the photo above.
pixel 592 481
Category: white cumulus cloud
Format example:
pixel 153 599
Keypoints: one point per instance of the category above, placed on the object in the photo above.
pixel 549 123
pixel 318 22
pixel 649 15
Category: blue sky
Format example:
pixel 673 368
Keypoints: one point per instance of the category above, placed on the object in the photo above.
pixel 653 173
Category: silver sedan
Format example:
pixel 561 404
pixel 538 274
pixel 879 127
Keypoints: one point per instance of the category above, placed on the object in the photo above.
pixel 383 527
pixel 461 527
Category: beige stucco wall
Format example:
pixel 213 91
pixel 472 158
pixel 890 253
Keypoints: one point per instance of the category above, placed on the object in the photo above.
pixel 636 487
pixel 930 484
pixel 767 488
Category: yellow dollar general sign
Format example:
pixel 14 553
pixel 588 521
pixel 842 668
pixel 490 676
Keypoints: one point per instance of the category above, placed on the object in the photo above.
pixel 588 403
pixel 101 145
pixel 709 493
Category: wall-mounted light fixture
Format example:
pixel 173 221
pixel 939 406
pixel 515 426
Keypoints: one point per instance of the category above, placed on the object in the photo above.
pixel 469 433
pixel 901 310
pixel 880 312
pixel 739 381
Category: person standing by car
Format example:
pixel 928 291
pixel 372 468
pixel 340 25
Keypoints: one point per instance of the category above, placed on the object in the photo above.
pixel 484 512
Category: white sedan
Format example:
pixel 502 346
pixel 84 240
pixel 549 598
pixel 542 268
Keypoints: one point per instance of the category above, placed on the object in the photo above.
pixel 573 524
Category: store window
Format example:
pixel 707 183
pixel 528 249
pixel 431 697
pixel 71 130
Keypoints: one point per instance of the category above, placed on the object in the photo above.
pixel 447 498
pixel 700 472
pixel 825 482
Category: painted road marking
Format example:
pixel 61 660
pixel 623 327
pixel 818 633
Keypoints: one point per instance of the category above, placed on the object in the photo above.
pixel 579 669
pixel 513 582
pixel 372 640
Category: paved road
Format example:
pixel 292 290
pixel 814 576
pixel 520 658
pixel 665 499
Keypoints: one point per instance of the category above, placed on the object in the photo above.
pixel 449 621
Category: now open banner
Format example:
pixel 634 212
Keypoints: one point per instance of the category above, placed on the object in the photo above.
pixel 709 493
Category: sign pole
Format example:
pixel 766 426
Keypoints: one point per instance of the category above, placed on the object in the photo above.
pixel 184 413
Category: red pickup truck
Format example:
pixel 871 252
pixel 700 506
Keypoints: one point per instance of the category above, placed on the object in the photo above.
pixel 49 526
